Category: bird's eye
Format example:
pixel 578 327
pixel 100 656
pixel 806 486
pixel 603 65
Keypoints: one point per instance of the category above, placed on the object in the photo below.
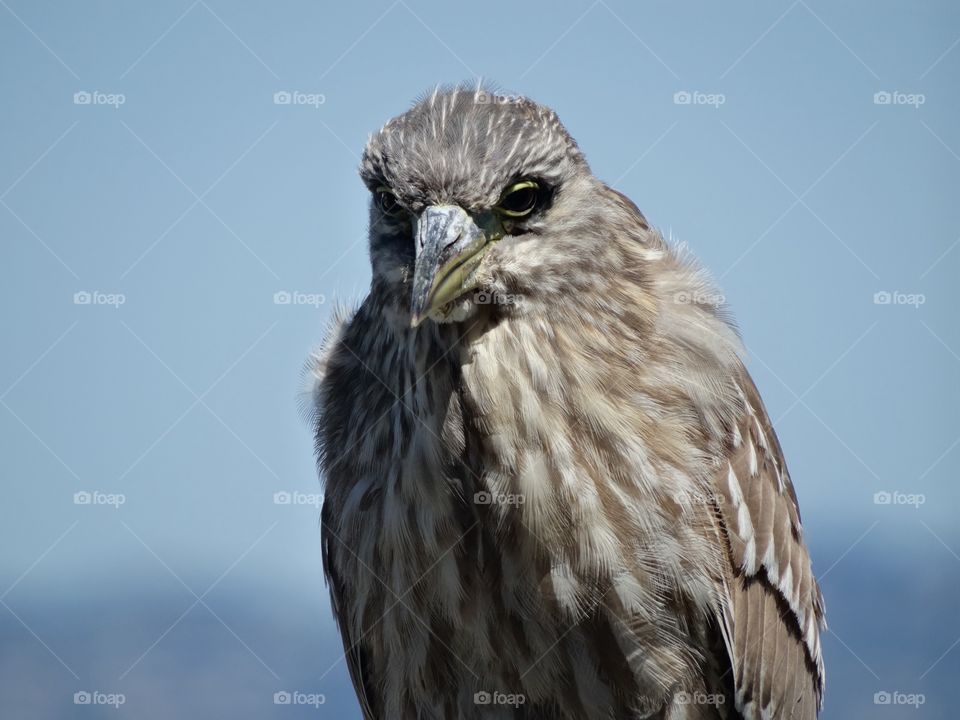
pixel 519 199
pixel 387 202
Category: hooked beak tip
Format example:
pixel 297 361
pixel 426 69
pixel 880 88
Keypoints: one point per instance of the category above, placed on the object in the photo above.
pixel 449 247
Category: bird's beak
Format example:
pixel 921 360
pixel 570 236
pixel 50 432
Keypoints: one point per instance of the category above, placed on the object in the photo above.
pixel 449 247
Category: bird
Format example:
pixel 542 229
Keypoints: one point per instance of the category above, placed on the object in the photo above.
pixel 551 488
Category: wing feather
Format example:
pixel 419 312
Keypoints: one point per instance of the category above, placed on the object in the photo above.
pixel 775 610
pixel 353 650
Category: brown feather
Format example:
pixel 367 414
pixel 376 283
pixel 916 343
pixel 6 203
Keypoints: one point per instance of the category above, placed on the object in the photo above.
pixel 774 595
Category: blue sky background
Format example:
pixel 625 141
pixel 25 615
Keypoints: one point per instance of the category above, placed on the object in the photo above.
pixel 199 198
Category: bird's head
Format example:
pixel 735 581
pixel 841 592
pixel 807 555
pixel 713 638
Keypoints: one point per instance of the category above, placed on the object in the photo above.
pixel 472 196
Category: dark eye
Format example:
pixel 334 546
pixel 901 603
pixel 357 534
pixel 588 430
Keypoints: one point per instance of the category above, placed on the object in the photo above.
pixel 387 202
pixel 519 199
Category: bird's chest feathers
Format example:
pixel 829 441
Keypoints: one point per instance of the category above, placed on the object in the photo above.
pixel 494 445
pixel 495 498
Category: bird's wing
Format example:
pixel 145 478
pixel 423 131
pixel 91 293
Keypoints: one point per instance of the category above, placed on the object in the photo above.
pixel 353 651
pixel 774 607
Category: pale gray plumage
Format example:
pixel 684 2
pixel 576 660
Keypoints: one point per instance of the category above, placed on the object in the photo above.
pixel 561 482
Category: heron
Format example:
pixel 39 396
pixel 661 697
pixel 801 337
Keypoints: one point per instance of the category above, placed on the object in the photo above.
pixel 552 489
